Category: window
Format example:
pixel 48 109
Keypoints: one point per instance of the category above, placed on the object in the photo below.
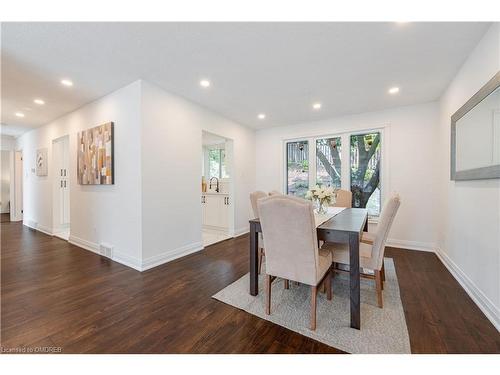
pixel 365 172
pixel 328 162
pixel 297 171
pixel 217 163
pixel 348 161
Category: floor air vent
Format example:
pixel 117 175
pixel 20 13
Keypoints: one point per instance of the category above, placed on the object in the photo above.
pixel 106 250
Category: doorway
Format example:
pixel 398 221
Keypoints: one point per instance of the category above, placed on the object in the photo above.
pixel 217 207
pixel 61 188
pixel 5 203
pixel 16 202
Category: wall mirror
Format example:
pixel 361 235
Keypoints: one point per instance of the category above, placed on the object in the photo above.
pixel 475 135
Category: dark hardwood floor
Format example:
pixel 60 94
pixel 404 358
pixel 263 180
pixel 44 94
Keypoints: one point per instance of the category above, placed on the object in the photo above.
pixel 56 294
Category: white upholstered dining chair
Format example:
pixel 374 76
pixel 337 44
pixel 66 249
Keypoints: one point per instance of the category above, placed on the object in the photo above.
pixel 344 198
pixel 254 197
pixel 292 252
pixel 371 253
pixel 274 192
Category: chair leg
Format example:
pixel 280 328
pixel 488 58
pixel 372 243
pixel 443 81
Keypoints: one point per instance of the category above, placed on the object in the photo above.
pixel 261 255
pixel 268 294
pixel 383 275
pixel 314 292
pixel 378 284
pixel 287 284
pixel 322 287
pixel 328 281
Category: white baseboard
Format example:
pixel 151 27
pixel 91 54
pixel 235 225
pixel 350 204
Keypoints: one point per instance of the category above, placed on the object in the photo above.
pixel 411 245
pixel 127 260
pixel 241 231
pixel 38 227
pixel 121 258
pixel 135 263
pixel 483 302
pixel 84 244
pixel 170 255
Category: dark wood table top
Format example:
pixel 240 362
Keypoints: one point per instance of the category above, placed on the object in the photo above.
pixel 349 220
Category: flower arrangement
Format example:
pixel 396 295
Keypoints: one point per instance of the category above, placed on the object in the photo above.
pixel 322 196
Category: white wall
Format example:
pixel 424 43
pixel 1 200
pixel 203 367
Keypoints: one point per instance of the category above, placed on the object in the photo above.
pixel 7 146
pixel 109 214
pixel 171 173
pixel 153 212
pixel 5 185
pixel 410 153
pixel 8 143
pixel 469 237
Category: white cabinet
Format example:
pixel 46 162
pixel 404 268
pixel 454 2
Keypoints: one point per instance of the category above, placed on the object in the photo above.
pixel 215 210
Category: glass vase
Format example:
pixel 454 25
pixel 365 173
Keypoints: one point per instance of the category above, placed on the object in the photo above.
pixel 321 207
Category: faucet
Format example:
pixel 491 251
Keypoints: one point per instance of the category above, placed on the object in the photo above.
pixel 210 184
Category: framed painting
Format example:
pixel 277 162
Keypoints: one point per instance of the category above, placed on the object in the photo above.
pixel 41 162
pixel 95 155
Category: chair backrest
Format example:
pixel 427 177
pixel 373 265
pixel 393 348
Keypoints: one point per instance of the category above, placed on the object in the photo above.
pixel 254 197
pixel 344 199
pixel 274 192
pixel 289 228
pixel 383 227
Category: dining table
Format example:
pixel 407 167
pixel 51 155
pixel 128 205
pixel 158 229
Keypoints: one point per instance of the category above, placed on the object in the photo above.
pixel 345 227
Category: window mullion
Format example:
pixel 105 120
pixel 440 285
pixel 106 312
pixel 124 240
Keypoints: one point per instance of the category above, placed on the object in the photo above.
pixel 312 161
pixel 346 162
pixel 220 163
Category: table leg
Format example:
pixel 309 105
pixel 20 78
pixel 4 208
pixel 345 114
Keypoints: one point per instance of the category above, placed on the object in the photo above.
pixel 354 282
pixel 254 260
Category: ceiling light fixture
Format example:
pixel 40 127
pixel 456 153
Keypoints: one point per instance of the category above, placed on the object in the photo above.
pixel 393 90
pixel 261 116
pixel 66 82
pixel 205 83
pixel 19 114
pixel 317 106
pixel 39 101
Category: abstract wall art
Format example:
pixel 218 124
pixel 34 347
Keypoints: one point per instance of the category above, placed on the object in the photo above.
pixel 95 155
pixel 41 162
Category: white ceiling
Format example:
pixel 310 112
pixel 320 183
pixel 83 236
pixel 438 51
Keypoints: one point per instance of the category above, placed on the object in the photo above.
pixel 276 68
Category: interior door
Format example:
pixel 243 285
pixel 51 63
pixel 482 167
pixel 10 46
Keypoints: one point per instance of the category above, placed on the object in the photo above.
pixel 61 159
pixel 18 185
pixel 65 182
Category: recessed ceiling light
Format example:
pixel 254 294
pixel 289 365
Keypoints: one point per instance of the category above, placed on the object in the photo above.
pixel 316 105
pixel 393 90
pixel 205 83
pixel 39 101
pixel 19 114
pixel 261 116
pixel 66 82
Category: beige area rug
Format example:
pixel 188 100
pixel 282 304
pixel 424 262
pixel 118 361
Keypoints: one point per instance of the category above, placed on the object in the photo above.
pixel 382 330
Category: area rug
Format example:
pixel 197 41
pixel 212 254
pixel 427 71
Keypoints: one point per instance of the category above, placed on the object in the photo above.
pixel 382 330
